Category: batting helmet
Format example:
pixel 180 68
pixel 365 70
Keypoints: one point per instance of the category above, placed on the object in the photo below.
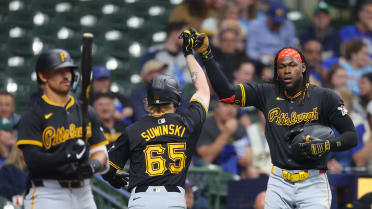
pixel 163 89
pixel 54 59
pixel 316 131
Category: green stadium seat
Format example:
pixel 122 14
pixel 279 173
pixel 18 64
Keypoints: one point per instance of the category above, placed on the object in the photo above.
pixel 68 19
pixel 47 33
pixel 117 21
pixel 91 7
pixel 22 18
pixel 72 45
pixel 20 46
pixel 44 6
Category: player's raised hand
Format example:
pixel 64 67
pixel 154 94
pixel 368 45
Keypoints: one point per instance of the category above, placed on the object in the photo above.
pixel 120 179
pixel 77 151
pixel 188 37
pixel 202 45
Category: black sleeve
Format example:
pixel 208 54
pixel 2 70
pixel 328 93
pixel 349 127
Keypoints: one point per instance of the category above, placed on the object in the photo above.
pixel 36 159
pixel 224 89
pixel 97 136
pixel 30 129
pixel 249 94
pixel 119 152
pixel 338 118
pixel 195 115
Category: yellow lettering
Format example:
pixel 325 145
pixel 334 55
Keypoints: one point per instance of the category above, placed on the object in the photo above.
pixel 165 129
pixel 145 136
pixel 280 118
pixel 171 129
pixel 156 131
pixel 177 131
pixel 273 113
pixel 183 131
pixel 150 133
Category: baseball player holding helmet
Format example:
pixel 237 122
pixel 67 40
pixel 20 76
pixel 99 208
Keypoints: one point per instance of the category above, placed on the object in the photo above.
pixel 60 162
pixel 289 102
pixel 160 146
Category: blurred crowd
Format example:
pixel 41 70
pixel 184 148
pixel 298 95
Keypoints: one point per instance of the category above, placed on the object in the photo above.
pixel 245 34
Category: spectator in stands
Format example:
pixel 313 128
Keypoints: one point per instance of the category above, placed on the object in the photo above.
pixel 259 202
pixel 357 63
pixel 343 160
pixel 7 138
pixel 312 50
pixel 105 108
pixel 8 107
pixel 150 69
pixel 193 12
pixel 365 88
pixel 13 175
pixel 245 72
pixel 229 11
pixel 362 29
pixel 227 54
pixel 267 36
pixel 189 194
pixel 322 31
pixel 223 141
pixel 267 74
pixel 261 160
pixel 337 77
pixel 102 83
pixel 248 11
pixel 363 158
pixel 170 53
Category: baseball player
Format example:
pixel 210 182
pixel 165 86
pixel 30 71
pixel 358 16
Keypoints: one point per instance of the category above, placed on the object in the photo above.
pixel 160 146
pixel 288 103
pixel 60 162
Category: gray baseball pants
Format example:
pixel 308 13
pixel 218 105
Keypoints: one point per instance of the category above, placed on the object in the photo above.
pixel 157 197
pixel 52 195
pixel 311 193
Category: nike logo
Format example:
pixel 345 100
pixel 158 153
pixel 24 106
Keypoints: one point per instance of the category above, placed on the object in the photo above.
pixel 47 116
pixel 279 99
pixel 136 198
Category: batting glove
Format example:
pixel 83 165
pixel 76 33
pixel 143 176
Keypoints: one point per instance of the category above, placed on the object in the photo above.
pixel 313 147
pixel 78 151
pixel 120 179
pixel 202 46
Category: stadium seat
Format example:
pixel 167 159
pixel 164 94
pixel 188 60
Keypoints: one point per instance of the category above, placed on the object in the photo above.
pixel 117 21
pixel 22 18
pixel 72 45
pixel 68 19
pixel 44 6
pixel 47 33
pixel 20 46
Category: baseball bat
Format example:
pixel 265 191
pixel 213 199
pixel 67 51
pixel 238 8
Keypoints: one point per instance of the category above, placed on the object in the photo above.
pixel 86 69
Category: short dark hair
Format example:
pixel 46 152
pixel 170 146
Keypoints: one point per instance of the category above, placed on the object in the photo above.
pixel 332 71
pixel 368 76
pixel 350 47
pixel 100 95
pixel 364 3
pixel 174 26
pixel 5 93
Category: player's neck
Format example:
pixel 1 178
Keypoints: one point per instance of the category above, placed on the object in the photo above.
pixel 59 99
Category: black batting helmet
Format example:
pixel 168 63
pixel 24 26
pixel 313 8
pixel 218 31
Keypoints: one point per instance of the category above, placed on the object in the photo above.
pixel 163 89
pixel 53 59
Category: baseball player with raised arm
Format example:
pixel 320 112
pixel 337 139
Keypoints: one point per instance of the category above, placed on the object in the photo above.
pixel 290 104
pixel 160 146
pixel 60 162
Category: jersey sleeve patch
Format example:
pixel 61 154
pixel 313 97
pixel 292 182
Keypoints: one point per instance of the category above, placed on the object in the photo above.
pixel 28 142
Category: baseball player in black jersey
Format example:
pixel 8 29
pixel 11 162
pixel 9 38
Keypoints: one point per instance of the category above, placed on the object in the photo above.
pixel 288 103
pixel 160 146
pixel 60 162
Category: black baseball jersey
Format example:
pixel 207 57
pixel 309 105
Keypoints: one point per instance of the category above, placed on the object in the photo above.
pixel 282 114
pixel 159 147
pixel 51 127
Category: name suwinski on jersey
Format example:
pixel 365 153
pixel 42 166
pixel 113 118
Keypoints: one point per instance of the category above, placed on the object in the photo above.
pixel 276 115
pixel 53 137
pixel 171 129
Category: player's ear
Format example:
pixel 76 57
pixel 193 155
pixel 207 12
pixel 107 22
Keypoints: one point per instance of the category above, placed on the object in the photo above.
pixel 42 77
pixel 303 67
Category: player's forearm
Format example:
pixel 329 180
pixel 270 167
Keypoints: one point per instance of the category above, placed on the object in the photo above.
pixel 197 75
pixel 36 159
pixel 101 156
pixel 362 156
pixel 218 79
pixel 348 136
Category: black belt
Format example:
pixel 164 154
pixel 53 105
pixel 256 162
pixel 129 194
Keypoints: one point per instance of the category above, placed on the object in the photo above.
pixel 169 188
pixel 71 184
